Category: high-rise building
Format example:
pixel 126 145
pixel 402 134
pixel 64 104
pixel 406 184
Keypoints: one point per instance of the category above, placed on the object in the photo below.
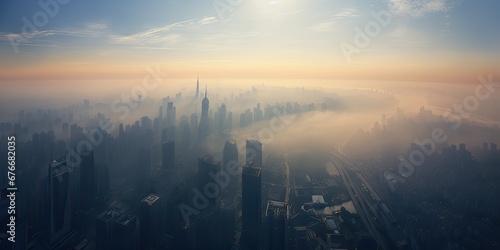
pixel 251 207
pixel 229 121
pixel 229 154
pixel 208 166
pixel 254 153
pixel 168 154
pixel 160 116
pixel 151 220
pixel 143 171
pixel 214 229
pixel 204 127
pixel 197 88
pixel 87 180
pixel 146 123
pixel 170 114
pixel 105 229
pixel 193 123
pixel 59 180
pixel 257 113
pixel 126 235
pixel 222 118
pixel 102 187
pixel 277 216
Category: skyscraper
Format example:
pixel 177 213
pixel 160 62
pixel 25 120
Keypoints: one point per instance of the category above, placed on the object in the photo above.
pixel 204 128
pixel 251 207
pixel 143 171
pixel 102 187
pixel 208 166
pixel 277 215
pixel 105 229
pixel 229 154
pixel 254 153
pixel 88 183
pixel 151 220
pixel 170 114
pixel 126 235
pixel 214 229
pixel 222 118
pixel 59 180
pixel 197 88
pixel 168 154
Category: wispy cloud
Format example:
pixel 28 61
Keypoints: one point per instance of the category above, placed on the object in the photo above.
pixel 324 26
pixel 96 26
pixel 207 20
pixel 350 12
pixel 420 7
pixel 329 25
pixel 33 37
pixel 166 35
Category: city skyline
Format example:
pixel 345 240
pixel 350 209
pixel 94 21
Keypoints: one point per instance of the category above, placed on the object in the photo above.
pixel 249 124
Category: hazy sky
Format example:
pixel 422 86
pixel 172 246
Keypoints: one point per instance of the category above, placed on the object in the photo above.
pixel 425 40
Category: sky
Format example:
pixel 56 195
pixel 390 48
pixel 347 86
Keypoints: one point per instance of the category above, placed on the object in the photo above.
pixel 393 40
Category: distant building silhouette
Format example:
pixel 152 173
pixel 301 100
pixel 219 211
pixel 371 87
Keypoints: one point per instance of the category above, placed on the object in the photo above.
pixel 168 154
pixel 222 118
pixel 204 127
pixel 197 96
pixel 171 113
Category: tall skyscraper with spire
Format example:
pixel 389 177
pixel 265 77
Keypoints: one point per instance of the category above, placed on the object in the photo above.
pixel 197 87
pixel 203 128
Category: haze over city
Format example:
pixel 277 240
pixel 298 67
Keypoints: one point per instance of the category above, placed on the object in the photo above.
pixel 237 124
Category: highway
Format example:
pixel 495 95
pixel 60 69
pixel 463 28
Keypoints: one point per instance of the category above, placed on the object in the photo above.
pixel 363 207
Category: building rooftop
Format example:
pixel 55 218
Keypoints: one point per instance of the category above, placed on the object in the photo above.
pixel 208 158
pixel 254 171
pixel 278 207
pixel 107 215
pixel 125 219
pixel 151 199
pixel 318 199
